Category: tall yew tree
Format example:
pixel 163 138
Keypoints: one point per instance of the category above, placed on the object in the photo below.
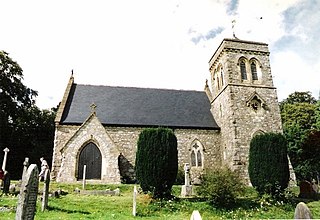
pixel 268 163
pixel 157 161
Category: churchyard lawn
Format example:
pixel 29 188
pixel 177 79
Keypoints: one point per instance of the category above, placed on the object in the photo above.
pixel 76 206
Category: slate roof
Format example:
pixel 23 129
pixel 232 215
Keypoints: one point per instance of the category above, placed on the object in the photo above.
pixel 129 106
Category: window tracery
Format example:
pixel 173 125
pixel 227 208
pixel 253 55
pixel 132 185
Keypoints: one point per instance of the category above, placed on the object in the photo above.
pixel 197 155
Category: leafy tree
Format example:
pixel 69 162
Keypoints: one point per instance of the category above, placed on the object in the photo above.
pixel 299 97
pixel 300 115
pixel 25 129
pixel 317 114
pixel 308 163
pixel 268 163
pixel 14 97
pixel 221 186
pixel 157 161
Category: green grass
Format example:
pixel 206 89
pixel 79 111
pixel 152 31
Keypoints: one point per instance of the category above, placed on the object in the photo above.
pixel 76 206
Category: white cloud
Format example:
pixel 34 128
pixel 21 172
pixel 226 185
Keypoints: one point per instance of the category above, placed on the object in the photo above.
pixel 164 44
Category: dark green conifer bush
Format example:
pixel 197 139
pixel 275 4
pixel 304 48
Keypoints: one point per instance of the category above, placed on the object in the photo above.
pixel 268 164
pixel 157 161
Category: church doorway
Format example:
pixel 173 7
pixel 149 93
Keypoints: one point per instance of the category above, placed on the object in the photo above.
pixel 91 157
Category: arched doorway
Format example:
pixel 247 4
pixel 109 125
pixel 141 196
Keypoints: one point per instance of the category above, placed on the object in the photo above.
pixel 91 157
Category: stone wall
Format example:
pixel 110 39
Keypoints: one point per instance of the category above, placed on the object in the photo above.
pixel 118 146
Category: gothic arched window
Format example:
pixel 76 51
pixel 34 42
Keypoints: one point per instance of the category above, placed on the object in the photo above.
pixel 254 70
pixel 243 70
pixel 197 155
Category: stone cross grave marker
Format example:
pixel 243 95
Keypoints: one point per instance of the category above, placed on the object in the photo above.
pixel 4 162
pixel 302 211
pixel 186 189
pixel 28 194
pixel 45 194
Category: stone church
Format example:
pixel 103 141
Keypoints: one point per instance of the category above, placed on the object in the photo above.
pixel 97 127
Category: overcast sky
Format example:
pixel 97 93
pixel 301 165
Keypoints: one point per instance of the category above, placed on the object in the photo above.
pixel 156 44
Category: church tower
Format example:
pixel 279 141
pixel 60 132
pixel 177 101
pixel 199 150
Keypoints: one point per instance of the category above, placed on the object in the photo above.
pixel 243 98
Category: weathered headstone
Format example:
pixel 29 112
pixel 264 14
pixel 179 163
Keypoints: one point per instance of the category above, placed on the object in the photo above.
pixel 28 194
pixel 302 211
pixel 195 215
pixel 45 194
pixel 306 190
pixel 186 189
pixel 134 207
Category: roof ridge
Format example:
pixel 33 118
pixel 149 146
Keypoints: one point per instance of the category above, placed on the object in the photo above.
pixel 136 87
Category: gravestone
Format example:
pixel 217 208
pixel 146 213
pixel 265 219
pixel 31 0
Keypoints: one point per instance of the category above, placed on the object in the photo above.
pixel 186 189
pixel 195 215
pixel 28 194
pixel 302 211
pixel 307 191
pixel 45 194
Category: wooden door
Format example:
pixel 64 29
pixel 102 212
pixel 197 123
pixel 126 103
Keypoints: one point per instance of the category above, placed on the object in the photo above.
pixel 91 157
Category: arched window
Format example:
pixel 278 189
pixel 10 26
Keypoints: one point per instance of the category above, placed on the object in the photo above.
pixel 254 70
pixel 243 70
pixel 197 155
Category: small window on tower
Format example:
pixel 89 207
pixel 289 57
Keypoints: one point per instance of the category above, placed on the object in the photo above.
pixel 243 70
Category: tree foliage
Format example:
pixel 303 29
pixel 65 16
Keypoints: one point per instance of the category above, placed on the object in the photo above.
pixel 25 129
pixel 299 97
pixel 268 163
pixel 307 164
pixel 157 161
pixel 317 115
pixel 14 96
pixel 300 114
